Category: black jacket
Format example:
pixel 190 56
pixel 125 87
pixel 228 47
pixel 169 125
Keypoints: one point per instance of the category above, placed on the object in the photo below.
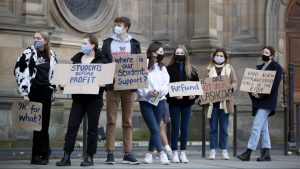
pixel 177 76
pixel 99 58
pixel 268 101
pixel 106 48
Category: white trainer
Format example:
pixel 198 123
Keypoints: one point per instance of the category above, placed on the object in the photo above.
pixel 225 155
pixel 175 158
pixel 164 158
pixel 183 158
pixel 212 154
pixel 148 158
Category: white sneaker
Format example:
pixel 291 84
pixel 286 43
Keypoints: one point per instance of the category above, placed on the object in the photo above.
pixel 170 154
pixel 164 158
pixel 212 154
pixel 148 158
pixel 225 155
pixel 183 158
pixel 175 158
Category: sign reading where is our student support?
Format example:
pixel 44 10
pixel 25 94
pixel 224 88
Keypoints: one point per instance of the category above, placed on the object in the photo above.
pixel 215 89
pixel 83 78
pixel 185 88
pixel 259 81
pixel 130 71
pixel 27 116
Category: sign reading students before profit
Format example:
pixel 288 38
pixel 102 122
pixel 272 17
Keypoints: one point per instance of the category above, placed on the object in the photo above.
pixel 259 81
pixel 27 116
pixel 215 89
pixel 130 71
pixel 83 78
pixel 185 88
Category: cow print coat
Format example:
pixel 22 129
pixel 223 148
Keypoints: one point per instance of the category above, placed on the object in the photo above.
pixel 25 69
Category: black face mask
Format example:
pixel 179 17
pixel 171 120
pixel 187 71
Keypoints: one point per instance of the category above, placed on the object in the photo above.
pixel 159 57
pixel 179 58
pixel 265 58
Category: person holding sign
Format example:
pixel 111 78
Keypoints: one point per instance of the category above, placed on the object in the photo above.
pixel 121 43
pixel 89 104
pixel 34 71
pixel 152 100
pixel 218 112
pixel 263 106
pixel 180 107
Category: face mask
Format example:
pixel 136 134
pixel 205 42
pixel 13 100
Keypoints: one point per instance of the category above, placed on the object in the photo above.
pixel 219 60
pixel 179 58
pixel 159 57
pixel 85 49
pixel 38 44
pixel 265 58
pixel 118 30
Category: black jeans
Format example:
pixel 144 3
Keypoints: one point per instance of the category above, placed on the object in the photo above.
pixel 40 143
pixel 92 108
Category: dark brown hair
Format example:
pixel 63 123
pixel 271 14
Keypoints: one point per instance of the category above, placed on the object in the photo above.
pixel 153 48
pixel 271 48
pixel 93 40
pixel 126 21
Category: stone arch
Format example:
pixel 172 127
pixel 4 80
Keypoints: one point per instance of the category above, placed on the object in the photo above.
pixel 94 21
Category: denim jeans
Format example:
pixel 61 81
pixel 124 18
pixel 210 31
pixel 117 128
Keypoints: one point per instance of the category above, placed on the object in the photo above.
pixel 218 118
pixel 180 116
pixel 260 128
pixel 152 116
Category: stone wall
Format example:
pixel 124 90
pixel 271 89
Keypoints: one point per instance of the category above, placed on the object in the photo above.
pixel 243 27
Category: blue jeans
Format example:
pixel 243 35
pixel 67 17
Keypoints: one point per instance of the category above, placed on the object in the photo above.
pixel 180 115
pixel 260 128
pixel 218 118
pixel 152 116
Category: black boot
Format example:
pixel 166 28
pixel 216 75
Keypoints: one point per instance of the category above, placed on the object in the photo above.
pixel 245 156
pixel 265 155
pixel 37 160
pixel 88 161
pixel 65 161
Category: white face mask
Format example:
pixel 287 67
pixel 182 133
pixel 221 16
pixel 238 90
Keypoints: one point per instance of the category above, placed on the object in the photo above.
pixel 118 30
pixel 219 60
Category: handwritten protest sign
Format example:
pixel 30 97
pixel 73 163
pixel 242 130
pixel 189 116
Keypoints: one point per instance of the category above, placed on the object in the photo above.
pixel 259 81
pixel 27 116
pixel 130 71
pixel 83 78
pixel 185 88
pixel 215 89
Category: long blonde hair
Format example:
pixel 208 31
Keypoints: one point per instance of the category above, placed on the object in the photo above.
pixel 187 65
pixel 46 37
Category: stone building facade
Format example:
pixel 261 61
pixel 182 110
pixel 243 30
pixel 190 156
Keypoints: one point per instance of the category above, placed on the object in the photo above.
pixel 242 27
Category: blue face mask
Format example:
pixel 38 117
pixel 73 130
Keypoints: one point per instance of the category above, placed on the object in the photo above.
pixel 85 49
pixel 38 44
pixel 118 30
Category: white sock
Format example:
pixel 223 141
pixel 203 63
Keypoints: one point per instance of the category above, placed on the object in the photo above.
pixel 168 148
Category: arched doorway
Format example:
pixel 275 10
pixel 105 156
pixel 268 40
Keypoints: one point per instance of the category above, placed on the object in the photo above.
pixel 293 43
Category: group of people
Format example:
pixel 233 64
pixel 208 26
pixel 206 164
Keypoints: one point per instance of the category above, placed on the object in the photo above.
pixel 34 73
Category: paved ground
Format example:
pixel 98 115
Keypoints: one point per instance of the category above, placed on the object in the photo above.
pixel 19 159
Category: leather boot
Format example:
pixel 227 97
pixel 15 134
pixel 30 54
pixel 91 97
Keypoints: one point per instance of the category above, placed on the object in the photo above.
pixel 37 160
pixel 245 156
pixel 88 161
pixel 65 161
pixel 265 155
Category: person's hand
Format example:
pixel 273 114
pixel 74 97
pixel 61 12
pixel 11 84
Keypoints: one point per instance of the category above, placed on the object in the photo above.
pixel 152 94
pixel 255 94
pixel 26 100
pixel 179 97
pixel 192 97
pixel 146 71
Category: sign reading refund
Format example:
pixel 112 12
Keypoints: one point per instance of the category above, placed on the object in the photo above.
pixel 185 88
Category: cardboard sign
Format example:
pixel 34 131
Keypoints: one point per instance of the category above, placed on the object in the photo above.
pixel 27 116
pixel 185 88
pixel 130 71
pixel 215 89
pixel 259 81
pixel 83 78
